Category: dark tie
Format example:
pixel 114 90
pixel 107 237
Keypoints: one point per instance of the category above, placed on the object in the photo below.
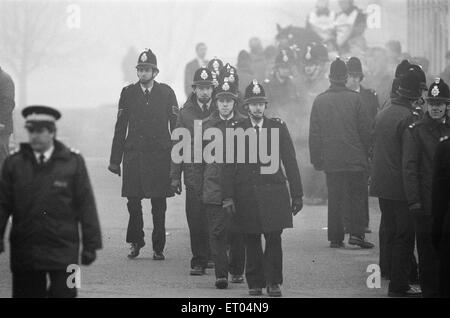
pixel 257 141
pixel 147 95
pixel 41 159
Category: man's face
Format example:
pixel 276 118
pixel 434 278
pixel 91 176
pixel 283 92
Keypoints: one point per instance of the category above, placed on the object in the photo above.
pixel 225 105
pixel 310 69
pixel 284 72
pixel 201 51
pixel 203 92
pixel 436 110
pixel 353 82
pixel 256 110
pixel 145 74
pixel 40 138
pixel 344 4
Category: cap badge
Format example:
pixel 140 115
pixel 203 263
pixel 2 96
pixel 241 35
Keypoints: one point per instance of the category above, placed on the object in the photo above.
pixel 435 91
pixel 215 65
pixel 285 57
pixel 256 90
pixel 204 75
pixel 225 86
pixel 144 57
pixel 308 54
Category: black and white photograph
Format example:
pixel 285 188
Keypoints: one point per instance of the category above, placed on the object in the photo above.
pixel 224 155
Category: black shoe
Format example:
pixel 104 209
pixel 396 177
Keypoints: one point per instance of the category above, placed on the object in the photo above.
pixel 210 264
pixel 158 256
pixel 412 292
pixel 337 244
pixel 221 283
pixel 134 250
pixel 197 271
pixel 237 279
pixel 255 291
pixel 273 290
pixel 360 241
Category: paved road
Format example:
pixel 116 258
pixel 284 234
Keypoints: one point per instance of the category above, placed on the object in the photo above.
pixel 311 268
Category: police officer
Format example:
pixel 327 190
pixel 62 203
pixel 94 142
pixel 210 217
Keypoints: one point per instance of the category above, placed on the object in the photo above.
pixel 220 219
pixel 146 110
pixel 369 102
pixel 45 188
pixel 262 201
pixel 198 107
pixel 339 142
pixel 215 66
pixel 419 145
pixel 230 73
pixel 440 213
pixel 397 221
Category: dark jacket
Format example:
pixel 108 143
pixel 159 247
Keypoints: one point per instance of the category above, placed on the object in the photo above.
pixel 370 103
pixel 390 126
pixel 420 143
pixel 212 172
pixel 142 138
pixel 440 195
pixel 339 132
pixel 47 205
pixel 190 112
pixel 263 200
pixel 6 103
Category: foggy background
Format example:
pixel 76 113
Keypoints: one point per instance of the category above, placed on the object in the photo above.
pixel 69 54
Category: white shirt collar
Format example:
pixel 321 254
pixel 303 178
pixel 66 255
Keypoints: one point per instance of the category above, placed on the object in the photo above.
pixel 144 88
pixel 260 124
pixel 46 154
pixel 229 117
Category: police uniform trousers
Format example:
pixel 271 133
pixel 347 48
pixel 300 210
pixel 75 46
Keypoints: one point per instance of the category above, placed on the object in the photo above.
pixel 219 221
pixel 428 257
pixel 33 284
pixel 197 219
pixel 263 267
pixel 398 226
pixel 135 231
pixel 347 197
pixel 236 253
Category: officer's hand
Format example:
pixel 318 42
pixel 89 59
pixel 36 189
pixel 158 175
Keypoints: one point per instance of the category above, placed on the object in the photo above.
pixel 297 205
pixel 88 257
pixel 114 168
pixel 175 185
pixel 416 209
pixel 228 205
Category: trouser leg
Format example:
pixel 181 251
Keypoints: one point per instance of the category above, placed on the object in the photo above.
pixel 159 207
pixel 273 258
pixel 254 268
pixel 135 231
pixel 335 196
pixel 29 284
pixel 386 236
pixel 357 196
pixel 219 223
pixel 58 285
pixel 198 229
pixel 236 253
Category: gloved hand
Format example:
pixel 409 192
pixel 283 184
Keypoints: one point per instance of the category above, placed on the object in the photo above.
pixel 175 185
pixel 228 205
pixel 416 209
pixel 114 168
pixel 297 205
pixel 88 257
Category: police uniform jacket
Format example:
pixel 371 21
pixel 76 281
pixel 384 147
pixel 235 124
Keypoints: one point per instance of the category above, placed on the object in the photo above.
pixel 420 143
pixel 339 132
pixel 370 102
pixel 389 134
pixel 48 205
pixel 142 140
pixel 263 200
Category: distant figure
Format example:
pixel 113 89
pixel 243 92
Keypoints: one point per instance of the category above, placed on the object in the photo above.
pixel 128 62
pixel 350 27
pixel 377 76
pixel 258 61
pixel 321 21
pixel 244 69
pixel 199 61
pixel 394 54
pixel 445 75
pixel 6 109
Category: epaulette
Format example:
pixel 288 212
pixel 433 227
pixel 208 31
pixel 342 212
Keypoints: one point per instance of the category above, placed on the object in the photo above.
pixel 373 92
pixel 279 120
pixel 15 151
pixel 128 86
pixel 75 151
pixel 443 138
pixel 412 125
